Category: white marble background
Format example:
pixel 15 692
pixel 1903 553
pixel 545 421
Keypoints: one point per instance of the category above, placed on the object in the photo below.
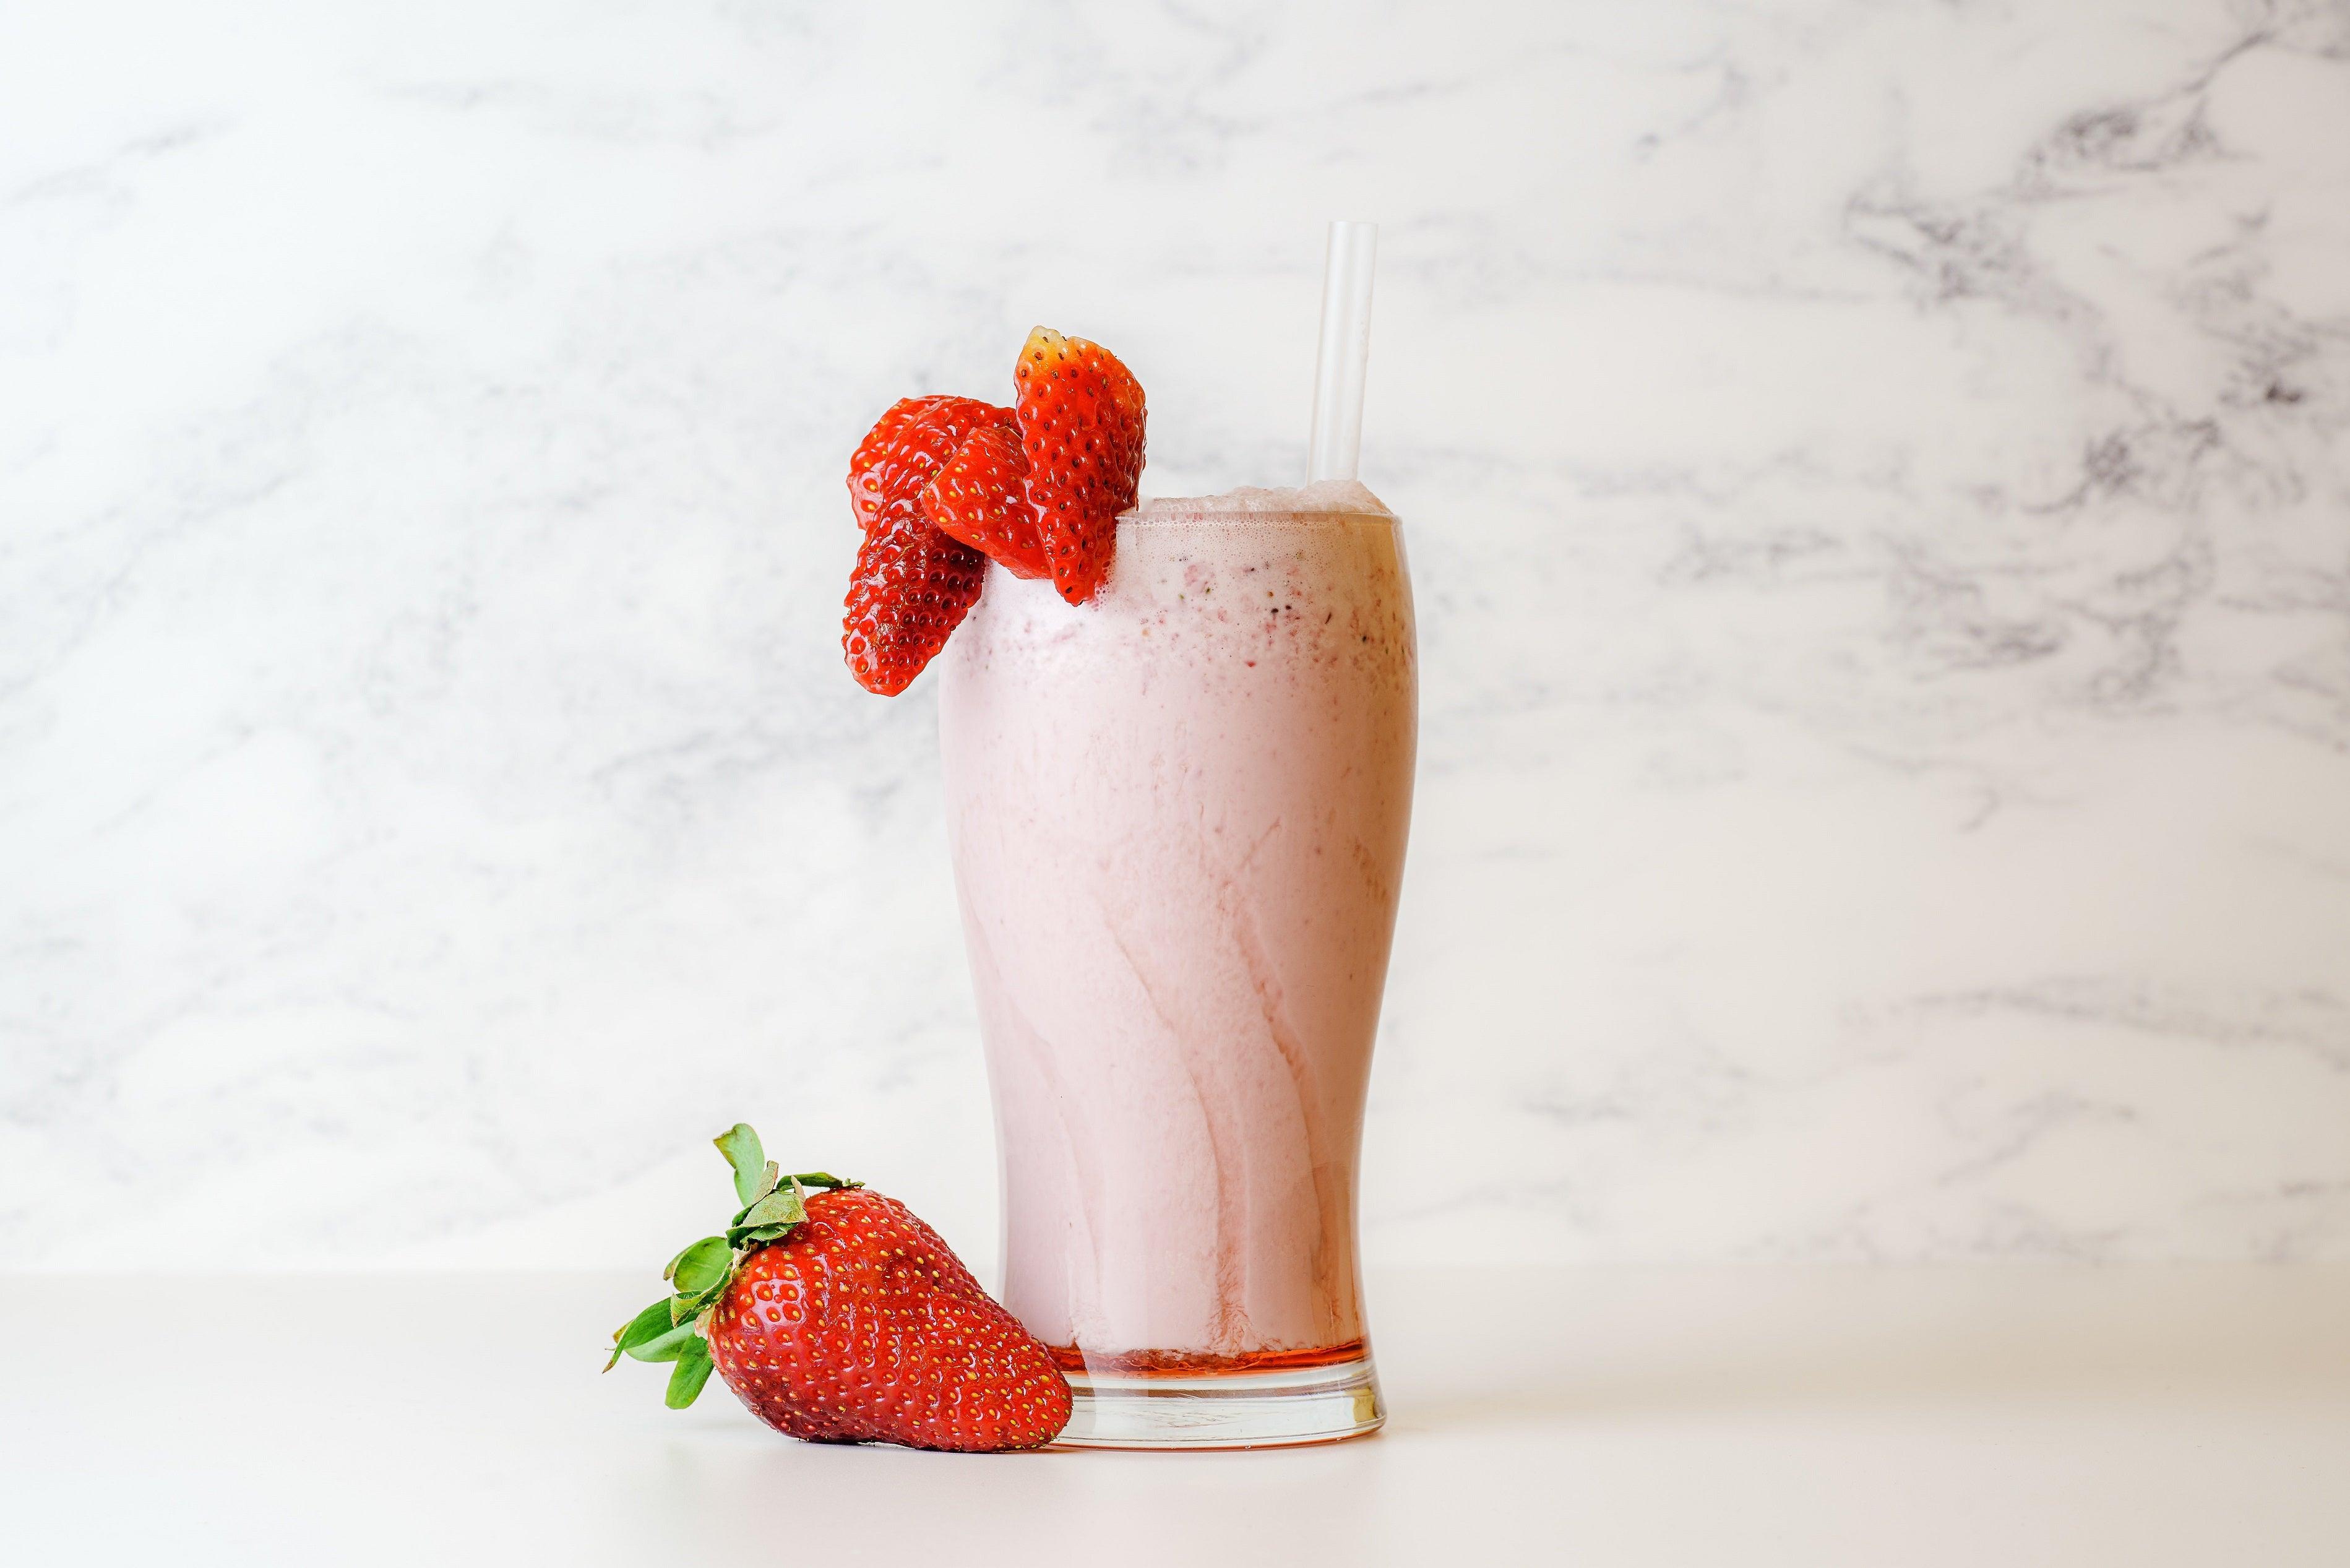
pixel 1880 483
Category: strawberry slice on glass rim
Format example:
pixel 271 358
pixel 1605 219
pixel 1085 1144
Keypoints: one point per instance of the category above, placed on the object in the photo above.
pixel 1081 427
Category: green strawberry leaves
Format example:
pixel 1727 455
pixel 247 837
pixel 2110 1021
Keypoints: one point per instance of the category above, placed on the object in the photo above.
pixel 768 1219
pixel 639 1330
pixel 670 1329
pixel 669 1346
pixel 705 1263
pixel 686 1378
pixel 739 1144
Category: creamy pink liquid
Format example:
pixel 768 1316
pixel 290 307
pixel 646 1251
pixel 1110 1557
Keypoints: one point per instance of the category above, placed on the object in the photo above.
pixel 1178 815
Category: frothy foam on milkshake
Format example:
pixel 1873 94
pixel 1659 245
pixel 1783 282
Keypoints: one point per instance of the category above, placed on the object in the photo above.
pixel 1331 497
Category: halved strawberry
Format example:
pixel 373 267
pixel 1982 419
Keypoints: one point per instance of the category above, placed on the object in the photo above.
pixel 917 434
pixel 1081 418
pixel 980 498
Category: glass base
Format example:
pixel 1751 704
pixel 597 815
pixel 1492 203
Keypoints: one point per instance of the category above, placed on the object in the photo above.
pixel 1225 1410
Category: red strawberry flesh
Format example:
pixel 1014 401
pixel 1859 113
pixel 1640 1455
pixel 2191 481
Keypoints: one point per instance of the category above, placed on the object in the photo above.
pixel 911 585
pixel 1081 427
pixel 918 433
pixel 911 588
pixel 980 498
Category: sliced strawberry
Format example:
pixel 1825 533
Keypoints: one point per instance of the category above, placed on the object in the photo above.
pixel 912 587
pixel 1081 418
pixel 916 434
pixel 912 584
pixel 980 498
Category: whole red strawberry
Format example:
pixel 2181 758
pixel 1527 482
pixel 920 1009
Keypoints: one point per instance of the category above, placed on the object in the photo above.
pixel 1081 419
pixel 836 1315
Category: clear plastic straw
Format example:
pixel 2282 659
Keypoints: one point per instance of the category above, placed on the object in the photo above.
pixel 1339 372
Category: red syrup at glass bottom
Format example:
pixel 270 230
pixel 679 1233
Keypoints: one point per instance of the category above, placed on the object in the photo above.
pixel 1190 1363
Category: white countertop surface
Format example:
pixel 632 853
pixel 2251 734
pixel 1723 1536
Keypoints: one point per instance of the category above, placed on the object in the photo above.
pixel 2004 1416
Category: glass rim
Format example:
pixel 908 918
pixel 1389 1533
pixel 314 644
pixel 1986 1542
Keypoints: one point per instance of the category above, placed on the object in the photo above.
pixel 1135 518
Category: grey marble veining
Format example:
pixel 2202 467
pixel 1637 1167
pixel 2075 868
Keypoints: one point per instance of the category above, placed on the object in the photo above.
pixel 1879 489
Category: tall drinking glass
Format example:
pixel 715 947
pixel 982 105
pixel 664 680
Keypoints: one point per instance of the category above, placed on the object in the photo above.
pixel 1178 815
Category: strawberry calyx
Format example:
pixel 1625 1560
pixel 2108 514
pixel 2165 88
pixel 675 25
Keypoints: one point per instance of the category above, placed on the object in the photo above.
pixel 773 1205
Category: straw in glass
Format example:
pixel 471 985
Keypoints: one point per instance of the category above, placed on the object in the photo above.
pixel 1337 444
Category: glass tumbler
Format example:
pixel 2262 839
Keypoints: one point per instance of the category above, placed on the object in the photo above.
pixel 1178 817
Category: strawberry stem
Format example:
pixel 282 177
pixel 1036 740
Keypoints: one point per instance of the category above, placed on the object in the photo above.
pixel 670 1329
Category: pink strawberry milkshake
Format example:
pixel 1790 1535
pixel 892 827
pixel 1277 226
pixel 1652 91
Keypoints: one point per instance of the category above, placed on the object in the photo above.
pixel 1178 815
